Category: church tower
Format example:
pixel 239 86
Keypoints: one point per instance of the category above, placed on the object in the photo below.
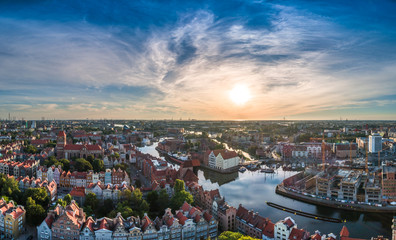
pixel 60 144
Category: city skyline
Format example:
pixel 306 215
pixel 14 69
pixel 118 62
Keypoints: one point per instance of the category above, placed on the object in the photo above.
pixel 206 60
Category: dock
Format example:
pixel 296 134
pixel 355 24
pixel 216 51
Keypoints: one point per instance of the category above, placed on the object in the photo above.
pixel 304 214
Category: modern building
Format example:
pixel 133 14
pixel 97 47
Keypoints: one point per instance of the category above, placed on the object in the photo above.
pixel 375 143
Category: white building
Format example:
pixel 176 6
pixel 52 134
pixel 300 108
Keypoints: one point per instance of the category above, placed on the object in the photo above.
pixel 44 229
pixel 283 228
pixel 222 159
pixel 375 143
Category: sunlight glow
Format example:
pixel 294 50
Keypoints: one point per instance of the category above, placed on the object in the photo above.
pixel 240 94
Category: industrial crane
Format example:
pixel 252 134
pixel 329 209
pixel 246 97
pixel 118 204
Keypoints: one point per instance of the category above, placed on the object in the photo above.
pixel 379 155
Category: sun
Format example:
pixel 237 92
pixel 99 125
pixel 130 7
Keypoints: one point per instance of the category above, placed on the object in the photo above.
pixel 240 94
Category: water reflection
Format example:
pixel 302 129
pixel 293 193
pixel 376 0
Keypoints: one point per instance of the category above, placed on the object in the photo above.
pixel 220 179
pixel 253 189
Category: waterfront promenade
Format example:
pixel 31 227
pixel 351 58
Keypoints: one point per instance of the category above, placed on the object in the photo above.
pixel 281 190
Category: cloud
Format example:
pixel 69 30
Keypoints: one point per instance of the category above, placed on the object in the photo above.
pixel 143 62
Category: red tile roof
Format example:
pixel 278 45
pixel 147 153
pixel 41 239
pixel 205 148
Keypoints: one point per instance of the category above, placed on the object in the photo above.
pixel 297 234
pixel 78 192
pixel 344 232
pixel 185 207
pixel 226 154
pixel 269 229
pixel 181 217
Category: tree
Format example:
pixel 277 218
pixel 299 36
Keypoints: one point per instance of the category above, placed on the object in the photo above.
pixel 61 202
pixel 67 198
pixel 179 198
pixel 35 213
pixel 179 185
pixel 106 208
pixel 90 158
pixel 82 165
pixel 227 235
pixel 137 197
pixel 66 164
pixel 39 195
pixel 98 165
pixel 163 200
pixel 126 195
pixel 126 212
pixel 144 207
pixel 91 201
pixel 30 149
pixel 116 155
pixel 152 199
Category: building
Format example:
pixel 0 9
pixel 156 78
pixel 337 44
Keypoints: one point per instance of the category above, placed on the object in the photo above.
pixel 224 214
pixel 250 223
pixel 373 189
pixel 222 159
pixel 283 228
pixel 187 223
pixel 389 183
pixel 12 219
pixel 375 143
pixel 69 151
pixel 345 150
pixel 19 169
pixel 68 222
pixel 300 151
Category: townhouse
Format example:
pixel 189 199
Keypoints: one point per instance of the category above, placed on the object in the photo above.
pixel 71 223
pixel 12 219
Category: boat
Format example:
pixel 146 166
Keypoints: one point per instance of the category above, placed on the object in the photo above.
pixel 242 169
pixel 267 170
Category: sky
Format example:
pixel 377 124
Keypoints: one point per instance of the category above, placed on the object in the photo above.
pixel 177 59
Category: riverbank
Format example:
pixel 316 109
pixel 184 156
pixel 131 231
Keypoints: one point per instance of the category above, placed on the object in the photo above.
pixel 333 204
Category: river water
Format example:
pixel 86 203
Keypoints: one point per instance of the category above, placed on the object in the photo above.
pixel 253 189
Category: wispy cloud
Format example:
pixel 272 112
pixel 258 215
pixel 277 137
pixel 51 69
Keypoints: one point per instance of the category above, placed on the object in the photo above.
pixel 296 59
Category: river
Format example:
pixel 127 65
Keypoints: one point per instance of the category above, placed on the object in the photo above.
pixel 253 189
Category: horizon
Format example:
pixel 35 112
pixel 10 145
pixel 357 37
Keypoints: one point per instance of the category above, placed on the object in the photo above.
pixel 213 60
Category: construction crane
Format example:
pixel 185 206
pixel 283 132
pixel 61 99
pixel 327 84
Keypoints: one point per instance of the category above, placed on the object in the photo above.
pixel 379 155
pixel 366 156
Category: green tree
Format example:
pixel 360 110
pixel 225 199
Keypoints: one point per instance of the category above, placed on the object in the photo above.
pixel 91 201
pixel 126 212
pixel 163 200
pixel 144 207
pixel 179 198
pixel 65 163
pixel 152 199
pixel 35 213
pixel 82 165
pixel 137 197
pixel 30 149
pixel 126 195
pixel 39 195
pixel 67 198
pixel 98 165
pixel 179 185
pixel 227 235
pixel 61 202
pixel 90 158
